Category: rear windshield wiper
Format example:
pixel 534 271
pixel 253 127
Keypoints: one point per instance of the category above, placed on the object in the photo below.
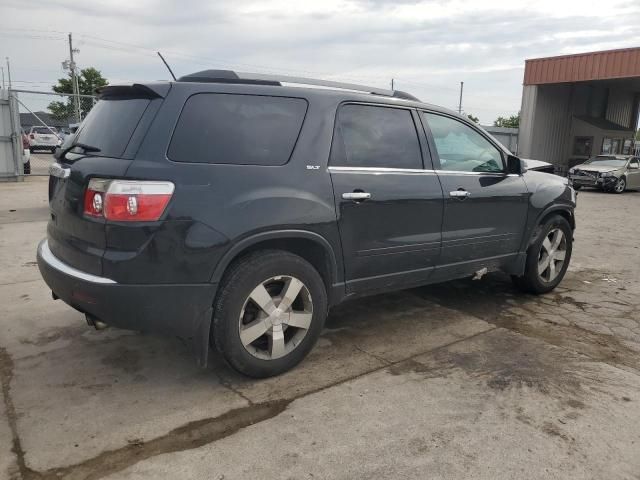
pixel 61 153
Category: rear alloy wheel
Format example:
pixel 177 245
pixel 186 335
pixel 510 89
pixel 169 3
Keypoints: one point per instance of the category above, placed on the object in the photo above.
pixel 548 257
pixel 276 317
pixel 269 313
pixel 620 186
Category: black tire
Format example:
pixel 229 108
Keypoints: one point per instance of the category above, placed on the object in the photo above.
pixel 31 150
pixel 531 281
pixel 27 168
pixel 238 283
pixel 620 186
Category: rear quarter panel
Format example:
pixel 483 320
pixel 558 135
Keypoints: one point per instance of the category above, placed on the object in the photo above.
pixel 215 206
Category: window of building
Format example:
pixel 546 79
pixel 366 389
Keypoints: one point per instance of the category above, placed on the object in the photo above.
pixel 582 146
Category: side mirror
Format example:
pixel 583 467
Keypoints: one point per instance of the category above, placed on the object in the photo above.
pixel 514 165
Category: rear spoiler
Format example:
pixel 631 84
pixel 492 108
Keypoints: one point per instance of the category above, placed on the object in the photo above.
pixel 136 90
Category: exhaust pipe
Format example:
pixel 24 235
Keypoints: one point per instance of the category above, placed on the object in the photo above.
pixel 95 323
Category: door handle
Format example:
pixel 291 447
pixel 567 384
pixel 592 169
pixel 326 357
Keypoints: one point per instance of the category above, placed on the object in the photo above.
pixel 356 196
pixel 460 194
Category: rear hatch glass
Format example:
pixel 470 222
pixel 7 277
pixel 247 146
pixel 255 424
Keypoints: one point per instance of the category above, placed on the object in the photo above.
pixel 110 125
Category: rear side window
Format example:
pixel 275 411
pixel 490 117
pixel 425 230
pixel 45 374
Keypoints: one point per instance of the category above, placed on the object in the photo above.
pixel 110 125
pixel 372 136
pixel 237 129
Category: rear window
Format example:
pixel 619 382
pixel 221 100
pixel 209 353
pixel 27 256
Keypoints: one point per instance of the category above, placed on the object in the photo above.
pixel 44 130
pixel 237 129
pixel 110 125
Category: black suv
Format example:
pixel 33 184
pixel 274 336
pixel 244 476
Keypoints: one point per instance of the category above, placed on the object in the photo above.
pixel 235 209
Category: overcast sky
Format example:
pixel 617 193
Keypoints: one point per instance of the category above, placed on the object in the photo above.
pixel 429 47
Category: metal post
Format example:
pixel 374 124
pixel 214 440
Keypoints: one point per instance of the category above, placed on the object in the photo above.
pixel 8 71
pixel 460 102
pixel 74 81
pixel 392 84
pixel 2 69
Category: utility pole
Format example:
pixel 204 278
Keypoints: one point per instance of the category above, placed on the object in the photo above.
pixel 392 84
pixel 460 102
pixel 8 72
pixel 74 81
pixel 2 69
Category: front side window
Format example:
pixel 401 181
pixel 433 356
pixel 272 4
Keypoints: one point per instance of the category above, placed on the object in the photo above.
pixel 461 148
pixel 372 136
pixel 237 129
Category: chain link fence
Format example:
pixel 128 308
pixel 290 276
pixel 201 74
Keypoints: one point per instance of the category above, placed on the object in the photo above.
pixel 40 130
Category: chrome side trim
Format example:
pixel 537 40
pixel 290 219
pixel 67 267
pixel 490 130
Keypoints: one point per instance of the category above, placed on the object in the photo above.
pixel 45 253
pixel 379 170
pixel 415 170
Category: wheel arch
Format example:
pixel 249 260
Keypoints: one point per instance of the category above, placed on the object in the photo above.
pixel 311 246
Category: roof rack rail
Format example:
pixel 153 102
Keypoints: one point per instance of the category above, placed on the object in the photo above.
pixel 229 76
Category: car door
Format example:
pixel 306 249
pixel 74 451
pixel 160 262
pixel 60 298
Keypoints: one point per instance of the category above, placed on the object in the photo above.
pixel 633 173
pixel 389 206
pixel 485 209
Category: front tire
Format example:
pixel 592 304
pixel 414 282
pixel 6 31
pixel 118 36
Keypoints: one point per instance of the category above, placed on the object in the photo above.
pixel 620 186
pixel 269 313
pixel 548 257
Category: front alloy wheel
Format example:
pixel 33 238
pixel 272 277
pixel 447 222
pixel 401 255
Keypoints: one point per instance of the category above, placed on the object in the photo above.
pixel 620 185
pixel 553 251
pixel 275 317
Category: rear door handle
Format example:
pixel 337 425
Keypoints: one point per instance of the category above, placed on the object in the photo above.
pixel 356 196
pixel 461 194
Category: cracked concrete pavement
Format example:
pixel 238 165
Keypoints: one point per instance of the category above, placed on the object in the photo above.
pixel 468 378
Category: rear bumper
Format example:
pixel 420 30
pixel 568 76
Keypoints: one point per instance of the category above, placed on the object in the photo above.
pixel 181 310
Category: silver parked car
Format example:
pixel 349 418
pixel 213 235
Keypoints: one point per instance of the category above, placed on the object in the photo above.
pixel 611 173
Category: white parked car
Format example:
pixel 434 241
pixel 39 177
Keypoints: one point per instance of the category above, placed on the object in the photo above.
pixel 43 138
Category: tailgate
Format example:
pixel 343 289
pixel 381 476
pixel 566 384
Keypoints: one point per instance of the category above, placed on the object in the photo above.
pixel 113 129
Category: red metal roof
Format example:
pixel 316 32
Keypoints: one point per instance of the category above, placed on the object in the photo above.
pixel 583 67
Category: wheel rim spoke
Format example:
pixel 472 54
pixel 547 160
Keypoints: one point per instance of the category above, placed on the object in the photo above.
pixel 262 298
pixel 544 264
pixel 277 347
pixel 546 244
pixel 556 239
pixel 253 331
pixel 290 293
pixel 300 320
pixel 559 255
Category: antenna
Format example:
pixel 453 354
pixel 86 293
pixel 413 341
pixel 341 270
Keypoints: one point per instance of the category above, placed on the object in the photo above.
pixel 167 65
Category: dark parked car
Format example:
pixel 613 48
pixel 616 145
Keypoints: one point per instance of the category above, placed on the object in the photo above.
pixel 235 210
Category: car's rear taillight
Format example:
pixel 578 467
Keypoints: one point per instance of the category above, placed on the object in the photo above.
pixel 127 200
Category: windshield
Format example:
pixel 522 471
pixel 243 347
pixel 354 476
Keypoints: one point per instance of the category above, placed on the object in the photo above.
pixel 110 125
pixel 44 130
pixel 606 161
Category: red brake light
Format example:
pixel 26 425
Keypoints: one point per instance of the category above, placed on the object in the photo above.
pixel 127 200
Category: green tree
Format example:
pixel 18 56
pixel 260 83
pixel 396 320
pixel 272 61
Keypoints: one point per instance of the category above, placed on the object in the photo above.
pixel 473 118
pixel 88 80
pixel 509 122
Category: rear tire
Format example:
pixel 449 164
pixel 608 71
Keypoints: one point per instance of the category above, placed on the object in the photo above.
pixel 269 312
pixel 548 257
